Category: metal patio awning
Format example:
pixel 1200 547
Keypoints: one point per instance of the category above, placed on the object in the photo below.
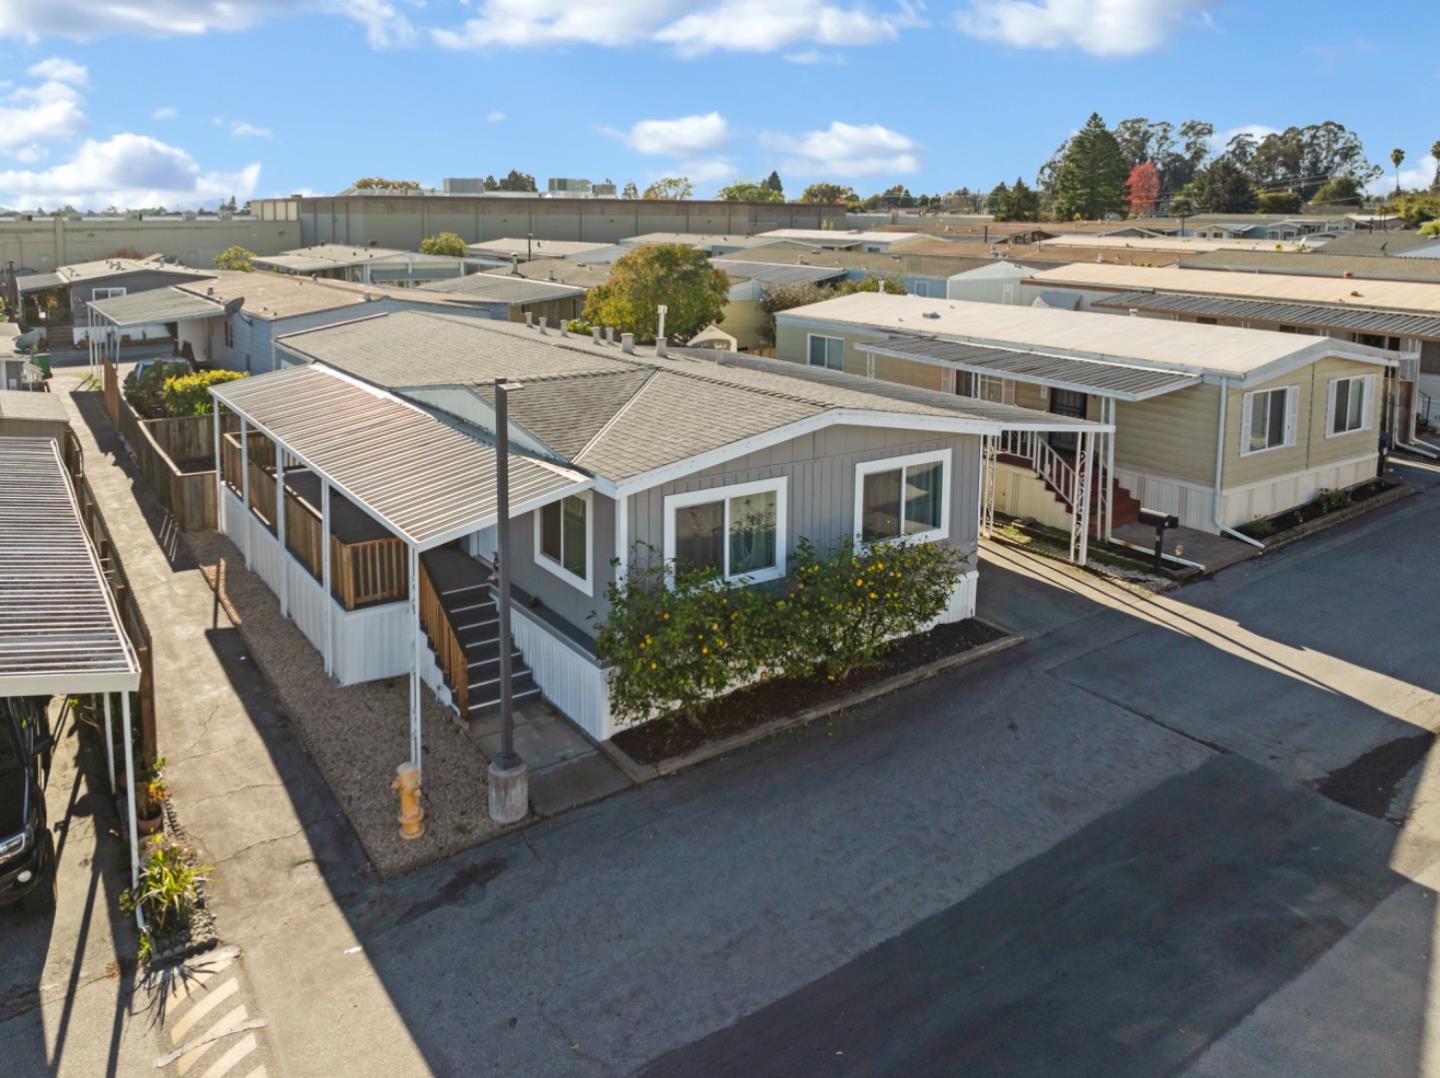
pixel 39 282
pixel 1356 320
pixel 1104 378
pixel 155 305
pixel 417 476
pixel 60 632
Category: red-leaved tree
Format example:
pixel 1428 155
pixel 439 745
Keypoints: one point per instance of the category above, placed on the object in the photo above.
pixel 1143 189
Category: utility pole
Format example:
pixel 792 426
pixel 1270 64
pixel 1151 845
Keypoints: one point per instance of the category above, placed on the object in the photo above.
pixel 509 779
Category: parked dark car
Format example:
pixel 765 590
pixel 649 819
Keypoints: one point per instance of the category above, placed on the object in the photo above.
pixel 27 849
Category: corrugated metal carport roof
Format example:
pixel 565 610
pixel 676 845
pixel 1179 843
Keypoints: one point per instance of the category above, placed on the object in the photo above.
pixel 38 282
pixel 777 273
pixel 156 305
pixel 59 629
pixel 419 477
pixel 1122 381
pixel 1359 320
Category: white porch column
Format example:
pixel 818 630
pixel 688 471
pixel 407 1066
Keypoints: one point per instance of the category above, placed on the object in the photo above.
pixel 1087 471
pixel 622 537
pixel 245 483
pixel 219 469
pixel 1110 473
pixel 130 792
pixel 109 744
pixel 329 648
pixel 415 655
pixel 280 529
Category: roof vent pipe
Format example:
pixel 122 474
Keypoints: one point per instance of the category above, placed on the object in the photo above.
pixel 627 343
pixel 660 349
pixel 609 334
pixel 542 323
pixel 595 334
pixel 529 319
pixel 564 332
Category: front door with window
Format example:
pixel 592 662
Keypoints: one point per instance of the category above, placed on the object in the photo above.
pixel 1070 403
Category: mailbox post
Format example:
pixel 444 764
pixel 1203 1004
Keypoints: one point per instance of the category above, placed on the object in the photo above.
pixel 1161 522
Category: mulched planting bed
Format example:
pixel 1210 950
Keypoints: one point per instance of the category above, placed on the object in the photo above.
pixel 1306 513
pixel 768 701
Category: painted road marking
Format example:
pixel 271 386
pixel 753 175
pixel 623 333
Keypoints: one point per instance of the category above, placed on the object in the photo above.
pixel 202 1008
pixel 238 1051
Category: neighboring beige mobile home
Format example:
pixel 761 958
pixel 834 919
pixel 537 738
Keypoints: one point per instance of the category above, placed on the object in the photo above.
pixel 1299 414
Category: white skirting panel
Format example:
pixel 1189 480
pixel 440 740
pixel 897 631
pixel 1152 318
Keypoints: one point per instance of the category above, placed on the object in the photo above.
pixel 962 600
pixel 1019 492
pixel 569 678
pixel 1193 504
pixel 1243 504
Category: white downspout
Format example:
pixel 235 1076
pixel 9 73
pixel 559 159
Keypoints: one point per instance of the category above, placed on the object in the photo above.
pixel 1220 472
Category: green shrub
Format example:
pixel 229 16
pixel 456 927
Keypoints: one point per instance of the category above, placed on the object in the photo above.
pixel 676 637
pixel 1327 501
pixel 189 394
pixel 146 392
pixel 169 885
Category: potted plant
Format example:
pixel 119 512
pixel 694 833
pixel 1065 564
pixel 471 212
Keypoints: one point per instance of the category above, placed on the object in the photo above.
pixel 150 795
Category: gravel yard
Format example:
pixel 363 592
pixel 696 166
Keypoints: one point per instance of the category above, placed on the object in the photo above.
pixel 357 735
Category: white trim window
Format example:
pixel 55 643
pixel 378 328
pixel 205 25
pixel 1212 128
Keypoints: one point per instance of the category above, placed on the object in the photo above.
pixel 903 498
pixel 565 540
pixel 1267 420
pixel 105 293
pixel 738 530
pixel 823 351
pixel 1348 408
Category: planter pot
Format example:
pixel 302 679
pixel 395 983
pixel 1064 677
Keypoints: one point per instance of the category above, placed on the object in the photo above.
pixel 148 825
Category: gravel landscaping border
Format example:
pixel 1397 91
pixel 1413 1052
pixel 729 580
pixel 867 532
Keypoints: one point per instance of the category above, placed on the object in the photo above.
pixel 199 932
pixel 357 734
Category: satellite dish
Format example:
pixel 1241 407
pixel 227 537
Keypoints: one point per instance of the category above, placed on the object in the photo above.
pixel 234 305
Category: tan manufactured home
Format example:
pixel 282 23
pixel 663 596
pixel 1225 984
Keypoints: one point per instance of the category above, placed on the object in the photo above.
pixel 1299 414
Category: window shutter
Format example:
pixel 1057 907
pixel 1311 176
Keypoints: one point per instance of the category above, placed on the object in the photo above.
pixel 1368 404
pixel 1246 415
pixel 1330 407
pixel 1292 408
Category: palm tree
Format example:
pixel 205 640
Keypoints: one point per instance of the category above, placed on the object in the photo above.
pixel 1435 153
pixel 1397 155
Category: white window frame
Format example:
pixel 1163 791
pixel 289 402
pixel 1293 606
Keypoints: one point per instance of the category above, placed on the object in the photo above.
pixel 1367 387
pixel 586 583
pixel 1292 406
pixel 827 338
pixel 106 293
pixel 779 484
pixel 889 464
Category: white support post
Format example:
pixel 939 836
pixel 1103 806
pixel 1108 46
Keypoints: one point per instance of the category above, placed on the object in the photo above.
pixel 245 484
pixel 219 471
pixel 130 791
pixel 622 537
pixel 109 744
pixel 328 603
pixel 1110 474
pixel 280 529
pixel 1086 465
pixel 415 656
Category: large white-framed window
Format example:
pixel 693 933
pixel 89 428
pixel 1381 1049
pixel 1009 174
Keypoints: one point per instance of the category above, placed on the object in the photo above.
pixel 1267 420
pixel 827 352
pixel 565 540
pixel 105 293
pixel 903 498
pixel 1348 408
pixel 739 530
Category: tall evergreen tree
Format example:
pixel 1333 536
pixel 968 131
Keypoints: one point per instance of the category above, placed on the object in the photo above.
pixel 1090 182
pixel 1222 187
pixel 772 181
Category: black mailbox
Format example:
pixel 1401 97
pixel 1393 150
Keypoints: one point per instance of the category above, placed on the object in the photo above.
pixel 1161 522
pixel 1153 518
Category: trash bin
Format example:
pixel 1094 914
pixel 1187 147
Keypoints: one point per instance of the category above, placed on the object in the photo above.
pixel 42 360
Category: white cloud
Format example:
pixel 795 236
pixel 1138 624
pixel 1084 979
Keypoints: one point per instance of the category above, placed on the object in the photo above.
pixel 845 150
pixel 1419 174
pixel 86 20
pixel 693 27
pixel 495 117
pixel 60 70
pixel 241 129
pixel 50 111
pixel 29 155
pixel 166 112
pixel 1221 139
pixel 686 136
pixel 125 170
pixel 1099 27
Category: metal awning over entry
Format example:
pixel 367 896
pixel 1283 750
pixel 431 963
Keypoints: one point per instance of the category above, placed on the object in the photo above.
pixel 59 629
pixel 153 306
pixel 1359 320
pixel 420 478
pixel 1105 378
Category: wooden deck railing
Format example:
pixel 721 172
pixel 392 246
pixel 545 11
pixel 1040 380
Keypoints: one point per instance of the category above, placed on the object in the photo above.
pixel 443 638
pixel 262 493
pixel 372 571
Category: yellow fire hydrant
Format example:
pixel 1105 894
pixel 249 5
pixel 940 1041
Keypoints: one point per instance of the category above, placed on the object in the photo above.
pixel 412 816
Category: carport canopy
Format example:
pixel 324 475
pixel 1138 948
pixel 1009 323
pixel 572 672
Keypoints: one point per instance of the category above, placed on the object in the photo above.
pixel 155 306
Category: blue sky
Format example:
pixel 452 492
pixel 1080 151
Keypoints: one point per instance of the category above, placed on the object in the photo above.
pixel 184 102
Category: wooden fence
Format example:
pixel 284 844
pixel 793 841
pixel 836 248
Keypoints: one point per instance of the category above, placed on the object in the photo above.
pixel 130 617
pixel 448 648
pixel 112 393
pixel 189 496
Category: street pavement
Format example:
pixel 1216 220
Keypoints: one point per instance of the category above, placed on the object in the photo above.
pixel 1195 831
